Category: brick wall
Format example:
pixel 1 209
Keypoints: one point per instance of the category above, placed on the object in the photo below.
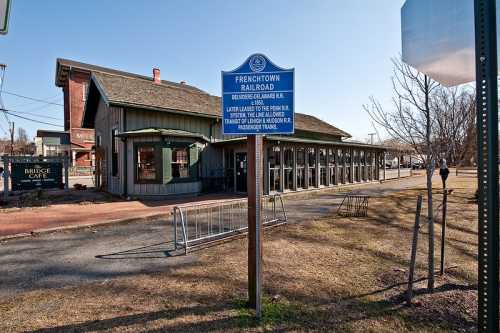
pixel 74 101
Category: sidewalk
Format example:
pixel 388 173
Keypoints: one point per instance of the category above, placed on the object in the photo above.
pixel 25 221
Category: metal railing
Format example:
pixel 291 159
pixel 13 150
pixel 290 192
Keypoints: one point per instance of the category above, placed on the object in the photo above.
pixel 200 224
pixel 354 206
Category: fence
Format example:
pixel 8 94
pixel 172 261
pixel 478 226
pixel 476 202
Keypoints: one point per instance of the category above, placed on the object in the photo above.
pixel 196 225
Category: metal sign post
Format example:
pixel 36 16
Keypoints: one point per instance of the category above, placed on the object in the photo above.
pixel 438 40
pixel 487 147
pixel 257 99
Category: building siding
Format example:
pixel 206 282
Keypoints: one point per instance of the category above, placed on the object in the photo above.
pixel 107 119
pixel 135 189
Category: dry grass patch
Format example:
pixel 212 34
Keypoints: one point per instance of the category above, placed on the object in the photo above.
pixel 330 275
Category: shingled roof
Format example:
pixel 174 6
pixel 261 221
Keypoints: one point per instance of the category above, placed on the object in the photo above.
pixel 130 90
pixel 137 92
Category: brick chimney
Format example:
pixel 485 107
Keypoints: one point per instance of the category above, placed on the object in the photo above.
pixel 156 75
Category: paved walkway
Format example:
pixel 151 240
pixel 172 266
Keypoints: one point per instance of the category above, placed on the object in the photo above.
pixel 59 259
pixel 37 219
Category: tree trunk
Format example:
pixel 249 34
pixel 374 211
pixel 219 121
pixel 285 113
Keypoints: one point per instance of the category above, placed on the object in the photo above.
pixel 430 171
pixel 430 220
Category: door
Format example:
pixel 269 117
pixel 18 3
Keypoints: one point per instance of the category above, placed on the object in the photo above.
pixel 241 172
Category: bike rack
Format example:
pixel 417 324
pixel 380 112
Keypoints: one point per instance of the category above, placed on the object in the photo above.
pixel 200 224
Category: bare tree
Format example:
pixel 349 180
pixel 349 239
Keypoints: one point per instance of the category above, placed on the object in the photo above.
pixel 455 124
pixel 410 121
pixel 22 136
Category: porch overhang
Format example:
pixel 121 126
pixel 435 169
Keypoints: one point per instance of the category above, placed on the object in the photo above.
pixel 163 132
pixel 306 141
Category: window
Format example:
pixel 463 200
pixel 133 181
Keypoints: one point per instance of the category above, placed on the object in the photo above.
pixel 180 163
pixel 311 158
pixel 274 159
pixel 340 162
pixel 322 166
pixel 331 165
pixel 347 159
pixel 362 162
pixel 229 161
pixel 146 164
pixel 85 88
pixel 288 167
pixel 114 152
pixel 355 154
pixel 301 162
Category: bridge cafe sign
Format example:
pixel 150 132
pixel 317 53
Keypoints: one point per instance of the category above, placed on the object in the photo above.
pixel 29 176
pixel 258 98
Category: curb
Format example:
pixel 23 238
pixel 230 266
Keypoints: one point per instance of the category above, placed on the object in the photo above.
pixel 36 232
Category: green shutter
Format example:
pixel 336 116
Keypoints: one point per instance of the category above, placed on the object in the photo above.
pixel 166 159
pixel 193 161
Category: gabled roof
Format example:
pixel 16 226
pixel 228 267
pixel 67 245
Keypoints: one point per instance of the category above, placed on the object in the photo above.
pixel 136 91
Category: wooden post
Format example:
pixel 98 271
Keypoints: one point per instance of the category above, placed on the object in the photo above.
pixel 409 292
pixel 443 229
pixel 255 232
pixel 5 178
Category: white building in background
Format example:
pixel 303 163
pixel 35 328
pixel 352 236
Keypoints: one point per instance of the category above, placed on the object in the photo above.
pixel 52 143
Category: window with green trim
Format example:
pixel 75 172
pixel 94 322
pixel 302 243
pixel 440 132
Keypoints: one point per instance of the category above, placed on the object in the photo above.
pixel 146 164
pixel 180 163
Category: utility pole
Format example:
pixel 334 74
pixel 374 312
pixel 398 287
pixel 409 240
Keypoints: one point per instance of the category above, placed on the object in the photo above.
pixel 11 128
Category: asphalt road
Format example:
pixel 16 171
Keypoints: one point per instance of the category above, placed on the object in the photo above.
pixel 106 252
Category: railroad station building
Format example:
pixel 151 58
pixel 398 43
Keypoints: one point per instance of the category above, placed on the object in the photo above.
pixel 160 138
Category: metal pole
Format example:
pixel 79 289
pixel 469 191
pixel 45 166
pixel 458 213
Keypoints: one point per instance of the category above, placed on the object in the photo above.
pixel 487 141
pixel 255 231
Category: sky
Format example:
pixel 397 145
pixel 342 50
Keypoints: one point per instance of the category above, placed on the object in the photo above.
pixel 341 50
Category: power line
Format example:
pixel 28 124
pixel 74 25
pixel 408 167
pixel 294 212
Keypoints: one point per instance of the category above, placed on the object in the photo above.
pixel 29 119
pixel 31 98
pixel 36 115
pixel 48 99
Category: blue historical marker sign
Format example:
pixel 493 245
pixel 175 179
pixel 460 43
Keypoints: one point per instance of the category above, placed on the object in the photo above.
pixel 258 98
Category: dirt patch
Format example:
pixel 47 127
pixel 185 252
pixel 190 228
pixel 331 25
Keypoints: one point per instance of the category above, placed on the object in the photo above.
pixel 328 275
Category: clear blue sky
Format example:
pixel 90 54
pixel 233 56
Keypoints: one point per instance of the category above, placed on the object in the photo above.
pixel 341 50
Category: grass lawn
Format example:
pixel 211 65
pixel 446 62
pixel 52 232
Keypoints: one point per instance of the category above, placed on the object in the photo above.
pixel 328 275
